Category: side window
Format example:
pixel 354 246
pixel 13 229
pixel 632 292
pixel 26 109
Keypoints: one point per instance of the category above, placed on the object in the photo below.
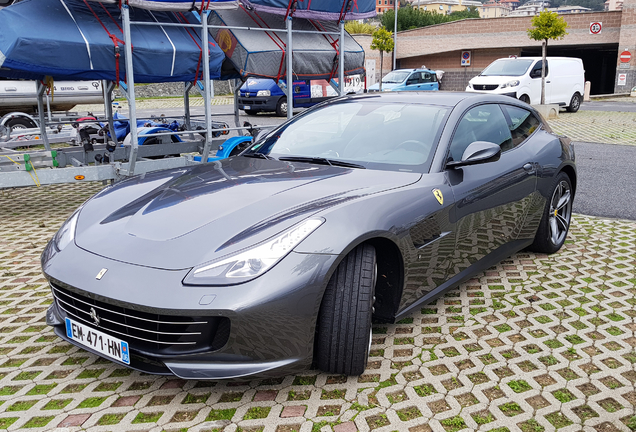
pixel 413 79
pixel 536 70
pixel 522 124
pixel 482 123
pixel 426 77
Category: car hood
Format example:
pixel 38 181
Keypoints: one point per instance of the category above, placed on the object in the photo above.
pixel 180 218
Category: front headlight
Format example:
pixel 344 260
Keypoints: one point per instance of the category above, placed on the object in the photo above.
pixel 66 234
pixel 264 93
pixel 253 262
pixel 514 83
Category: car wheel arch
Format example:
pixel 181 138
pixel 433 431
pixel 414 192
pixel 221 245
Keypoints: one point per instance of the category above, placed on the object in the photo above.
pixel 571 173
pixel 390 279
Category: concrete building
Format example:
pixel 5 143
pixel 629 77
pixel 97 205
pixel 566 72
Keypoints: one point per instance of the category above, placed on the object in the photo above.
pixel 533 7
pixel 384 5
pixel 440 47
pixel 445 6
pixel 611 5
pixel 494 9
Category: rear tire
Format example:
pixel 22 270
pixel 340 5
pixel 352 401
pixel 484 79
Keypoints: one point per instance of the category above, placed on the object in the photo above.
pixel 18 123
pixel 343 335
pixel 281 107
pixel 575 103
pixel 555 223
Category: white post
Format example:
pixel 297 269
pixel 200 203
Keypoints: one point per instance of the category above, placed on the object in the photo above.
pixel 207 83
pixel 130 83
pixel 290 77
pixel 395 34
pixel 341 61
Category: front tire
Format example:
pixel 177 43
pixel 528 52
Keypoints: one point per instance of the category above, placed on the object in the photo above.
pixel 575 103
pixel 555 223
pixel 343 337
pixel 281 107
pixel 525 98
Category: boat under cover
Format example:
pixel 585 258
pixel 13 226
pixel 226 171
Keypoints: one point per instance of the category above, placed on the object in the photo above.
pixel 75 39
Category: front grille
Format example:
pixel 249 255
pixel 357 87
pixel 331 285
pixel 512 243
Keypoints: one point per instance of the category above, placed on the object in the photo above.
pixel 146 331
pixel 485 86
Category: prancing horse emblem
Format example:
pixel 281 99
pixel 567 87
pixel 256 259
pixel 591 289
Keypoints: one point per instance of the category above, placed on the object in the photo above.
pixel 101 273
pixel 94 315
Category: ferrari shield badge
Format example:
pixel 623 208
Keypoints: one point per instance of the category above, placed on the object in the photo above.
pixel 439 196
pixel 101 273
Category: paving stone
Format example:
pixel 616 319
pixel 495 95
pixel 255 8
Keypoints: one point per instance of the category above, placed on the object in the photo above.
pixel 293 411
pixel 558 329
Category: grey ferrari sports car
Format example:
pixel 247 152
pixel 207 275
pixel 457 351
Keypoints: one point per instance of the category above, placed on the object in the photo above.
pixel 278 259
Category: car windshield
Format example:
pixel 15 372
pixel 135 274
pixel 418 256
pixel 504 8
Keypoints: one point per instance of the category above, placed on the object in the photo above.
pixel 395 77
pixel 363 133
pixel 507 67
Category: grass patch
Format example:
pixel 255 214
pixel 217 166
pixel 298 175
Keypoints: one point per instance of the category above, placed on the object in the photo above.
pixel 22 405
pixel 110 419
pixel 91 402
pixel 424 390
pixel 519 386
pixel 304 380
pixel 147 417
pixel 57 404
pixel 563 395
pixel 38 422
pixel 257 413
pixel 453 424
pixel 90 373
pixel 225 414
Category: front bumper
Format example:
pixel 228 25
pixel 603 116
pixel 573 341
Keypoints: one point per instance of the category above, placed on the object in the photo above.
pixel 258 103
pixel 271 318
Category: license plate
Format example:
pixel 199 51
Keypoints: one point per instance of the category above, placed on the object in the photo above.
pixel 101 342
pixel 246 107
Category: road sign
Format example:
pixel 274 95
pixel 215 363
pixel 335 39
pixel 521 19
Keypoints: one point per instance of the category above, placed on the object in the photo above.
pixel 626 56
pixel 466 58
pixel 622 79
pixel 596 27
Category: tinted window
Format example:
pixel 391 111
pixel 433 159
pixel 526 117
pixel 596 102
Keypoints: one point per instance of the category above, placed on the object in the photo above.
pixel 390 136
pixel 521 123
pixel 413 79
pixel 428 77
pixel 482 123
pixel 536 70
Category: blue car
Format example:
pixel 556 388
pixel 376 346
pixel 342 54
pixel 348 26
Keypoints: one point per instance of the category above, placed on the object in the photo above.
pixel 265 95
pixel 408 79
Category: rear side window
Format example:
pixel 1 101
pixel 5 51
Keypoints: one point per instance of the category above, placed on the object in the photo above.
pixel 522 124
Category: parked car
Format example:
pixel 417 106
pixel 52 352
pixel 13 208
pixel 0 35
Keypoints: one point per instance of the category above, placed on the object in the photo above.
pixel 408 79
pixel 266 95
pixel 265 263
pixel 520 77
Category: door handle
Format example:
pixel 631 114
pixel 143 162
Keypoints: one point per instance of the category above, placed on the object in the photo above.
pixel 529 167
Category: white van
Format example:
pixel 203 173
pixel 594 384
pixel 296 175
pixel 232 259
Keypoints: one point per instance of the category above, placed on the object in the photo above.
pixel 521 78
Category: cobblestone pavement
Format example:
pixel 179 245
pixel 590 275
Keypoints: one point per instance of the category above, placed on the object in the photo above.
pixel 535 343
pixel 606 127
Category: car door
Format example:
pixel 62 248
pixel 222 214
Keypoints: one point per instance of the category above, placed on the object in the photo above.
pixel 491 198
pixel 413 81
pixel 535 83
pixel 428 81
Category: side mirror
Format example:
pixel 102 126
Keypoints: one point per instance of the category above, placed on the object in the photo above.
pixel 535 73
pixel 476 153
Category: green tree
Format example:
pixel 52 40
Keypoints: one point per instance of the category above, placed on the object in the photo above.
pixel 546 25
pixel 411 18
pixel 383 42
pixel 356 27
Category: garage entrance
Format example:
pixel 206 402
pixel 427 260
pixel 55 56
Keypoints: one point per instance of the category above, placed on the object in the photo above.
pixel 599 62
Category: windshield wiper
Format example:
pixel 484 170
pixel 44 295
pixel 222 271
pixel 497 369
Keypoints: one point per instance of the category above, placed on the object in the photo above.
pixel 321 160
pixel 259 155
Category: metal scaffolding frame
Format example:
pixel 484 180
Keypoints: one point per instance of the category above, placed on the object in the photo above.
pixel 129 161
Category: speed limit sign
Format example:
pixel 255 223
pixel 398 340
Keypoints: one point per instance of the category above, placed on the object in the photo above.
pixel 596 27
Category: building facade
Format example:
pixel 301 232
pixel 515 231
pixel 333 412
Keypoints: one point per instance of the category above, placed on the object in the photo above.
pixel 440 47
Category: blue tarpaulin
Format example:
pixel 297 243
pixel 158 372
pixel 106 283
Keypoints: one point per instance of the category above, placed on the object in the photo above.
pixel 74 39
pixel 317 9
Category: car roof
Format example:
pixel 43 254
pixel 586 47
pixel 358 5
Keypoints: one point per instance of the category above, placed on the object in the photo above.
pixel 444 98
